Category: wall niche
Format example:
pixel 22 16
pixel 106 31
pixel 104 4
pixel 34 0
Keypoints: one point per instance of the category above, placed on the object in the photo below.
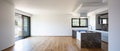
pixel 102 22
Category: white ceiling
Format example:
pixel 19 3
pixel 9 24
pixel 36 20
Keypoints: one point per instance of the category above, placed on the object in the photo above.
pixel 36 6
pixel 51 6
pixel 92 5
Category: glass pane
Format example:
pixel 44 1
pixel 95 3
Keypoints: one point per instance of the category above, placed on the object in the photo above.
pixel 26 32
pixel 25 24
pixel 18 25
pixel 75 22
pixel 83 22
pixel 104 21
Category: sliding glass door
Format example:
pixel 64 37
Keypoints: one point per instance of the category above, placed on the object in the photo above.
pixel 26 26
pixel 22 26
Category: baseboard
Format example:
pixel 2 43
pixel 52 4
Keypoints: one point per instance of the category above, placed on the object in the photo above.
pixel 8 47
pixel 51 36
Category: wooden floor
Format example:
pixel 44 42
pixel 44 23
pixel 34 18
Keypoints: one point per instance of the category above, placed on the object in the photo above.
pixel 52 44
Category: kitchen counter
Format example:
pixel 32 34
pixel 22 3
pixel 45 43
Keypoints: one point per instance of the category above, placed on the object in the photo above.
pixel 89 39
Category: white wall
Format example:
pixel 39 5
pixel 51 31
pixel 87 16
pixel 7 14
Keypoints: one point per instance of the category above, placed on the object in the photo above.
pixel 51 25
pixel 54 24
pixel 6 24
pixel 114 25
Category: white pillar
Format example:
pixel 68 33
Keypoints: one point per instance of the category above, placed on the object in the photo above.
pixel 6 24
pixel 114 25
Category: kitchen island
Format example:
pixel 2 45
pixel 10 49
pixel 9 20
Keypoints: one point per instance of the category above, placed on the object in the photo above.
pixel 89 39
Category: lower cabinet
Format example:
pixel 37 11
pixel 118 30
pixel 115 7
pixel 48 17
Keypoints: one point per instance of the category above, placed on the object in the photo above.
pixel 74 34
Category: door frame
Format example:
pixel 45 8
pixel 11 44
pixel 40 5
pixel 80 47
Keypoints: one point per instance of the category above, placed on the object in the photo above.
pixel 29 23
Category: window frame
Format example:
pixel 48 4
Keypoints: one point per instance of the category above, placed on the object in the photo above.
pixel 79 22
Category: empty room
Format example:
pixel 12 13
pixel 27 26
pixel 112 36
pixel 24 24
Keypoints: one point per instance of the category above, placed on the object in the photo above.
pixel 59 25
